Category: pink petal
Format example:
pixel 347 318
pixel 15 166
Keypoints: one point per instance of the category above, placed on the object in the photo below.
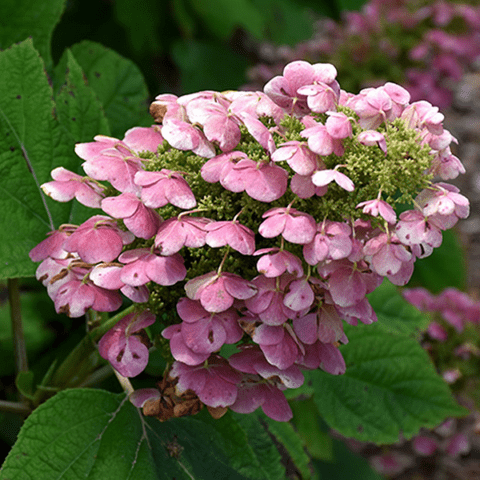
pixel 140 397
pixel 165 270
pixel 143 138
pixel 276 406
pixel 123 206
pixel 129 359
pixel 204 336
pixel 306 328
pixel 300 295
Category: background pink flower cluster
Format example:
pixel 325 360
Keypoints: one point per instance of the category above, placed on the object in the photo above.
pixel 283 156
pixel 424 45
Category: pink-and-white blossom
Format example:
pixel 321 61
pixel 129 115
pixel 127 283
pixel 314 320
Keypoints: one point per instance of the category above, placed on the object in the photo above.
pixel 164 187
pixel 67 185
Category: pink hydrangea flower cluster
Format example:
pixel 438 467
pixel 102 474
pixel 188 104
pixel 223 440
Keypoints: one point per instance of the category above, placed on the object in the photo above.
pixel 256 219
pixel 453 314
pixel 441 446
pixel 439 39
pixel 455 307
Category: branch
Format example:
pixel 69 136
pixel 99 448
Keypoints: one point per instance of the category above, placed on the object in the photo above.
pixel 15 407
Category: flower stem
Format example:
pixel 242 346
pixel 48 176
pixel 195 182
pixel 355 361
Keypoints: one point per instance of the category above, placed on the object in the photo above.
pixel 102 329
pixel 219 271
pixel 124 382
pixel 20 351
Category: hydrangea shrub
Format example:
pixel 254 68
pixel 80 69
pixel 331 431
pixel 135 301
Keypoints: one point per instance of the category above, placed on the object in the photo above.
pixel 255 219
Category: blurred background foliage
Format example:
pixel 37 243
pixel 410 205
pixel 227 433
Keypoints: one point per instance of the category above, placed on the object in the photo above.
pixel 183 46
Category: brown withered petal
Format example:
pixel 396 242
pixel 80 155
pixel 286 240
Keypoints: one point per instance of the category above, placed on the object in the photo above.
pixel 187 407
pixel 152 408
pixel 157 112
pixel 217 412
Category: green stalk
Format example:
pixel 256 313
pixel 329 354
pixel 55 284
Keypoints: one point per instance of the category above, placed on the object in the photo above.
pixel 19 348
pixel 21 363
pixel 98 332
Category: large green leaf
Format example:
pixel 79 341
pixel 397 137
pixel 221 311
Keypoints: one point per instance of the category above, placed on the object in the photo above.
pixel 312 429
pixel 394 313
pixel 325 8
pixel 36 136
pixel 350 4
pixel 20 19
pixel 291 441
pixel 31 145
pixel 96 434
pixel 79 111
pixel 118 83
pixel 246 442
pixel 81 117
pixel 390 387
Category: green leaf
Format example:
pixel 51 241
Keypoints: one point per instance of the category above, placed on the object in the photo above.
pixel 20 19
pixel 260 445
pixel 24 383
pixel 309 426
pixel 100 435
pixel 118 84
pixel 81 117
pixel 31 145
pixel 390 387
pixel 208 65
pixel 394 313
pixel 444 268
pixel 291 440
pixel 36 136
pixel 78 108
pixel 328 8
pixel 222 16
